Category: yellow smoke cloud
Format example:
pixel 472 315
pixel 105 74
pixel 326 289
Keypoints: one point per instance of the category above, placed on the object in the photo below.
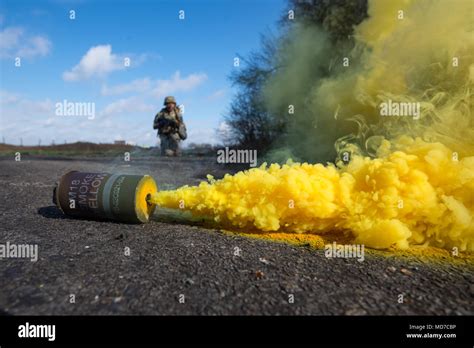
pixel 418 196
pixel 418 189
pixel 420 51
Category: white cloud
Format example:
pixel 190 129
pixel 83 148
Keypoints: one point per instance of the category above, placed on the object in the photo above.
pixel 98 61
pixel 9 38
pixel 130 105
pixel 15 42
pixel 35 120
pixel 158 88
pixel 21 117
pixel 24 105
pixel 202 136
pixel 216 95
pixel 223 127
pixel 223 131
pixel 130 119
pixel 177 84
pixel 8 97
pixel 39 46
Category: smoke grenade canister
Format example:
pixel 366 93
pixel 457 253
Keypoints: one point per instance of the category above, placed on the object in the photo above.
pixel 119 197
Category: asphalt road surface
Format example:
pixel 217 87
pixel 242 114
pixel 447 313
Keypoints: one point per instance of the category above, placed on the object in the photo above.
pixel 168 260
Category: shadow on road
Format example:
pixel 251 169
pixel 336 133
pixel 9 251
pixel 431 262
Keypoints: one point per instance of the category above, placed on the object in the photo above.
pixel 51 212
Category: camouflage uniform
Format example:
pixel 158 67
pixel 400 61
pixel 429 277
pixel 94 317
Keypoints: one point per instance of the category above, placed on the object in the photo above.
pixel 167 123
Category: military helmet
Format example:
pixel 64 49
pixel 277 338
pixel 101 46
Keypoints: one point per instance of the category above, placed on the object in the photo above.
pixel 169 99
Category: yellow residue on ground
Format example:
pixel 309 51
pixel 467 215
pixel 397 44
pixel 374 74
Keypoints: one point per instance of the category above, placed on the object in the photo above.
pixel 303 239
pixel 317 242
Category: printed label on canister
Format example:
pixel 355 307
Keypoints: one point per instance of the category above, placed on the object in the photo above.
pixel 81 192
pixel 86 191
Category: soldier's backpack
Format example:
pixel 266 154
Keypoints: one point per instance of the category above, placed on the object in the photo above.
pixel 182 131
pixel 183 134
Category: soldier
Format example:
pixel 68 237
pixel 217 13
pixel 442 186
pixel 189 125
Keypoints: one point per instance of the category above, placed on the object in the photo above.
pixel 171 128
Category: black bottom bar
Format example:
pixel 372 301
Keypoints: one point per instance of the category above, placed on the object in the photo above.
pixel 411 330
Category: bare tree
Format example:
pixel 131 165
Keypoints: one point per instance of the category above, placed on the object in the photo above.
pixel 250 120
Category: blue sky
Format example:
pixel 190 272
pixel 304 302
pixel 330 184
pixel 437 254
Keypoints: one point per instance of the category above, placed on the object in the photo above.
pixel 82 60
